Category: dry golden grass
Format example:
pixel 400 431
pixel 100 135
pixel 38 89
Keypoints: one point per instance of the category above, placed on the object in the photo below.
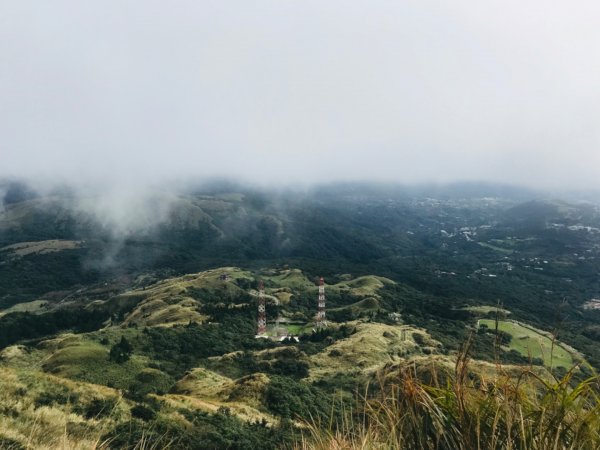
pixel 462 409
pixel 156 312
pixel 202 382
pixel 169 302
pixel 209 391
pixel 294 279
pixel 370 348
pixel 52 426
pixel 366 286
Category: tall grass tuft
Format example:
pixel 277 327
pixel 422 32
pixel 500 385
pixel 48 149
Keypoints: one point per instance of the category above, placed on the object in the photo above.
pixel 463 409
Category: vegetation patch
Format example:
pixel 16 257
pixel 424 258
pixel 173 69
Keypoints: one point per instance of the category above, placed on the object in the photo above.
pixel 34 306
pixel 40 247
pixel 90 361
pixel 454 408
pixel 366 286
pixel 355 310
pixel 202 382
pixel 157 312
pixel 288 278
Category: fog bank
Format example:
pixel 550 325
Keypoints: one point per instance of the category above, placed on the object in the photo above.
pixel 120 93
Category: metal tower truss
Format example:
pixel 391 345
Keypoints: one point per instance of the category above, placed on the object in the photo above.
pixel 321 322
pixel 262 313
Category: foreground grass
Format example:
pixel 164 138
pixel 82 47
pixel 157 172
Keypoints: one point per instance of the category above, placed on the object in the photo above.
pixel 41 411
pixel 462 411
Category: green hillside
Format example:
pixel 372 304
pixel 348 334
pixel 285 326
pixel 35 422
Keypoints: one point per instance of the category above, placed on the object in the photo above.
pixel 113 341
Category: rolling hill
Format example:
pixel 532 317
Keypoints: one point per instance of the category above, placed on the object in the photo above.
pixel 119 329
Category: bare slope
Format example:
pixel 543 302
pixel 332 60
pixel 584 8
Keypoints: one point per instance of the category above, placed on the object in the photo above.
pixel 370 348
pixel 170 301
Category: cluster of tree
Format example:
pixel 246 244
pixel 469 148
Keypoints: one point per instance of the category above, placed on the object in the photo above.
pixel 181 348
pixel 291 399
pixel 22 279
pixel 19 326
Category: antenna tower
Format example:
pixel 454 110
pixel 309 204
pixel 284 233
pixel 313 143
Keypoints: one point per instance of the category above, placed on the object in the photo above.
pixel 321 323
pixel 262 314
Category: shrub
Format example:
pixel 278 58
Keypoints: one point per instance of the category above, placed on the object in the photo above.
pixel 143 412
pixel 419 339
pixel 97 408
pixel 121 352
pixel 51 398
pixel 150 381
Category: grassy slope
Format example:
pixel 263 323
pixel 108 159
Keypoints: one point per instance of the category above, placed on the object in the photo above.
pixel 369 349
pixel 533 343
pixel 34 306
pixel 83 358
pixel 87 360
pixel 169 302
pixel 209 391
pixel 26 418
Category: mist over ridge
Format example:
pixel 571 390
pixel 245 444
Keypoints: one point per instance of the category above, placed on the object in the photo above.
pixel 131 207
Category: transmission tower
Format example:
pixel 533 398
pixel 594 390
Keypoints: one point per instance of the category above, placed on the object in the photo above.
pixel 321 323
pixel 262 314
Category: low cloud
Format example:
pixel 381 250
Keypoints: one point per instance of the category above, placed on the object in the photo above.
pixel 127 212
pixel 301 93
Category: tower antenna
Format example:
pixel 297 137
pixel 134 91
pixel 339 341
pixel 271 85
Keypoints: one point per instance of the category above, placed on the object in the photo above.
pixel 262 314
pixel 321 323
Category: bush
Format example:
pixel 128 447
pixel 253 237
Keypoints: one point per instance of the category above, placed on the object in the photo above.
pixel 143 412
pixel 51 398
pixel 419 339
pixel 290 367
pixel 97 408
pixel 48 399
pixel 210 432
pixel 150 381
pixel 291 399
pixel 121 352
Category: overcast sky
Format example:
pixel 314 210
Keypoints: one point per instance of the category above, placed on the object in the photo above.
pixel 313 91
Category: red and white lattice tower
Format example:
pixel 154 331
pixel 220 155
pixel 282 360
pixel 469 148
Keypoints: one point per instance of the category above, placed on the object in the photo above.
pixel 262 314
pixel 321 307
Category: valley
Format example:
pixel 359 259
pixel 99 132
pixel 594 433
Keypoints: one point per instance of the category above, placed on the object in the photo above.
pixel 107 340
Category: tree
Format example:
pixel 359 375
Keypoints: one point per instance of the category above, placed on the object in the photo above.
pixel 121 352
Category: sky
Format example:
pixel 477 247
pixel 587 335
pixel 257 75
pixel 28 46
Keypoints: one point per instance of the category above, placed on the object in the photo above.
pixel 285 92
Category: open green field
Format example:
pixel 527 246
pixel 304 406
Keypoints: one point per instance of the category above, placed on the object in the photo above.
pixel 297 329
pixel 34 306
pixel 531 343
pixel 294 329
